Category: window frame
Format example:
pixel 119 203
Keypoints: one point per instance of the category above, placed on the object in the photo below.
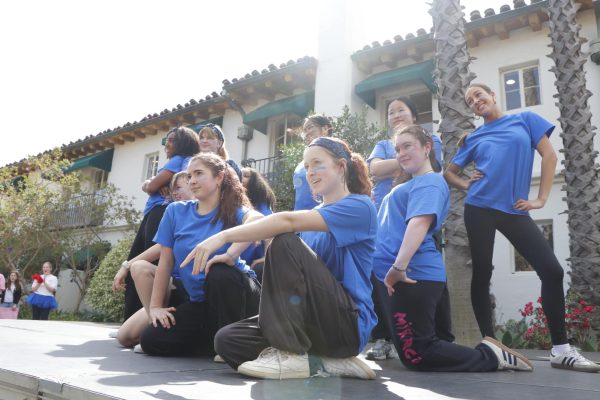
pixel 151 158
pixel 520 68
pixel 514 253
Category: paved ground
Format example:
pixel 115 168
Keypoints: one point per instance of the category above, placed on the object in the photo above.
pixel 66 360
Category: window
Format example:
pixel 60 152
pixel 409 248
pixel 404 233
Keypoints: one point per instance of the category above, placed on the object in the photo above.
pixel 286 129
pixel 150 166
pixel 521 87
pixel 99 179
pixel 546 226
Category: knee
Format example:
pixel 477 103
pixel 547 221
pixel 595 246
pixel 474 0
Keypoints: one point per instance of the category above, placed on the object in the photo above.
pixel 125 339
pixel 221 274
pixel 283 241
pixel 141 270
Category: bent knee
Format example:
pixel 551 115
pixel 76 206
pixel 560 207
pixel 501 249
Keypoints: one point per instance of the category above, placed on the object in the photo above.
pixel 283 240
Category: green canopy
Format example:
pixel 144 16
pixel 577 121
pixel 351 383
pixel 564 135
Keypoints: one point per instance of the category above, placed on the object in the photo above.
pixel 300 105
pixel 422 71
pixel 99 160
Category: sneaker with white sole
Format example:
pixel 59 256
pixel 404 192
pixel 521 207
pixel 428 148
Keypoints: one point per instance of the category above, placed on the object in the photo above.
pixel 138 349
pixel 382 350
pixel 113 334
pixel 218 359
pixel 351 367
pixel 573 360
pixel 507 357
pixel 273 363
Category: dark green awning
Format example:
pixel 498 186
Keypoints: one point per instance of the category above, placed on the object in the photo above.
pixel 199 125
pixel 300 105
pixel 415 72
pixel 100 160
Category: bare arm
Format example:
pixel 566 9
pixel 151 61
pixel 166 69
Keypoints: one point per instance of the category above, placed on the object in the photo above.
pixel 549 160
pixel 451 176
pixel 415 234
pixel 153 185
pixel 152 254
pixel 264 228
pixel 158 314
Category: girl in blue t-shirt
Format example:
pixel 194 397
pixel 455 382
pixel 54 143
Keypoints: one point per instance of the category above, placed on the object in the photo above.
pixel 263 200
pixel 497 199
pixel 212 140
pixel 225 295
pixel 385 170
pixel 314 126
pixel 180 144
pixel 316 311
pixel 407 261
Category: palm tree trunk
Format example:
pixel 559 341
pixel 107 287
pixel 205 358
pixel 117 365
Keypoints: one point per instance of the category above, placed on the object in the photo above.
pixel 453 77
pixel 581 171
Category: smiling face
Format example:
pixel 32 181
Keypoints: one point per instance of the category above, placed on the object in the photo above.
pixel 47 268
pixel 201 181
pixel 181 190
pixel 399 115
pixel 209 143
pixel 412 156
pixel 170 145
pixel 311 131
pixel 481 102
pixel 323 172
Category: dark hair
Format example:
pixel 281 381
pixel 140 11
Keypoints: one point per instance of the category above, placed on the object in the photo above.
pixel 18 285
pixel 357 173
pixel 215 132
pixel 321 121
pixel 232 194
pixel 424 137
pixel 409 103
pixel 185 141
pixel 488 90
pixel 258 189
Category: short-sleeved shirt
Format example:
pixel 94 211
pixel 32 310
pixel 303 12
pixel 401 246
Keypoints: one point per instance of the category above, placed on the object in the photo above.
pixel 51 281
pixel 347 251
pixel 503 150
pixel 181 229
pixel 174 164
pixel 385 150
pixel 422 195
pixel 304 198
pixel 254 252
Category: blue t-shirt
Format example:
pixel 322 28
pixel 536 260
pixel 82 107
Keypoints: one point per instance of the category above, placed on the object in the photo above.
pixel 422 195
pixel 385 150
pixel 174 164
pixel 347 251
pixel 254 252
pixel 181 229
pixel 304 197
pixel 503 151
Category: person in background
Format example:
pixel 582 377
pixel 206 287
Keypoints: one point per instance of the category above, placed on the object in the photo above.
pixel 11 296
pixel 263 200
pixel 212 140
pixel 180 144
pixel 314 126
pixel 43 290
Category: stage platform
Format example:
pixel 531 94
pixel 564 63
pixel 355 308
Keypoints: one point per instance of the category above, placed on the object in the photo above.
pixel 72 360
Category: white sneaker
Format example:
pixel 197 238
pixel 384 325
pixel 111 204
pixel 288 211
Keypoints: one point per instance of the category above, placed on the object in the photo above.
pixel 507 357
pixel 218 359
pixel 382 349
pixel 351 367
pixel 138 349
pixel 573 360
pixel 273 363
pixel 113 334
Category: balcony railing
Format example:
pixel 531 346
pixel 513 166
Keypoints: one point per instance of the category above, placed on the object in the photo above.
pixel 83 210
pixel 266 166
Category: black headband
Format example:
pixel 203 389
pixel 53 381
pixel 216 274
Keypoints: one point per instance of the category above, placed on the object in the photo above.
pixel 216 130
pixel 331 145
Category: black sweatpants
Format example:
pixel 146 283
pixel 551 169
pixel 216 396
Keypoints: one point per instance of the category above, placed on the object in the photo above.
pixel 142 242
pixel 303 308
pixel 383 329
pixel 526 237
pixel 38 313
pixel 422 336
pixel 231 295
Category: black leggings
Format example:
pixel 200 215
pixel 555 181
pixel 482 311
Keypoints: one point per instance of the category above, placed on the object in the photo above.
pixel 39 313
pixel 526 237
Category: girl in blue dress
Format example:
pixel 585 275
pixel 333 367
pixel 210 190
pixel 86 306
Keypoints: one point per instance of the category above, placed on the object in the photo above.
pixel 497 199
pixel 412 268
pixel 316 311
pixel 229 292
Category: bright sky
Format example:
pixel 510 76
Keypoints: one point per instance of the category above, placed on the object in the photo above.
pixel 72 68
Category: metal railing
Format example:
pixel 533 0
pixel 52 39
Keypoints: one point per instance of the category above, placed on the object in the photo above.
pixel 83 210
pixel 266 166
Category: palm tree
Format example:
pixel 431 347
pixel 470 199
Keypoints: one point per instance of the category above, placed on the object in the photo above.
pixel 581 172
pixel 453 77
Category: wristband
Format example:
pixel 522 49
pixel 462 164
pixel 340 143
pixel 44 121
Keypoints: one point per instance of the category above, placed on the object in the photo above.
pixel 125 265
pixel 399 269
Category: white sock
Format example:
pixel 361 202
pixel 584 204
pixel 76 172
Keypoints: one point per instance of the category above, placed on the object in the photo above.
pixel 560 349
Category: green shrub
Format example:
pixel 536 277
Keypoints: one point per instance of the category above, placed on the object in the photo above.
pixel 106 304
pixel 283 180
